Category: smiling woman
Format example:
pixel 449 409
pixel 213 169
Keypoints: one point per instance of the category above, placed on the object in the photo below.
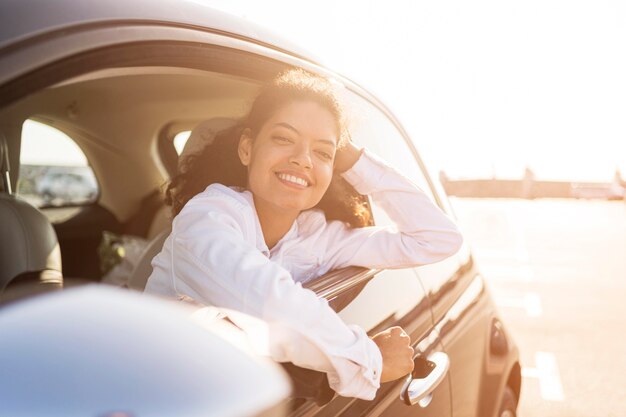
pixel 268 130
pixel 255 219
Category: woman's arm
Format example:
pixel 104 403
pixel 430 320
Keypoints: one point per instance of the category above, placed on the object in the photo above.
pixel 423 233
pixel 214 264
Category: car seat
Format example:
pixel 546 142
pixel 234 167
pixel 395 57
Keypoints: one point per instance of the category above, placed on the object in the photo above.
pixel 200 136
pixel 30 256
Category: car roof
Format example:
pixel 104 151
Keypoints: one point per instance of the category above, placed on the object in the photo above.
pixel 24 19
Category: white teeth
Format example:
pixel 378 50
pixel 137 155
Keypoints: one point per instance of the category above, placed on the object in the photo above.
pixel 294 179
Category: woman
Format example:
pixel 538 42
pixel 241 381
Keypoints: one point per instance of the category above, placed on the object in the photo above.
pixel 272 203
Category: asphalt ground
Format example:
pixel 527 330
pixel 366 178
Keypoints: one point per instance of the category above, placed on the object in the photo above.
pixel 557 271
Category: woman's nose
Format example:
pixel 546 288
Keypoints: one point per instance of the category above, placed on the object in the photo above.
pixel 302 158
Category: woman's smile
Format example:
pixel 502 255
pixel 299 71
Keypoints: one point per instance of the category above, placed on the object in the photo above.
pixel 295 180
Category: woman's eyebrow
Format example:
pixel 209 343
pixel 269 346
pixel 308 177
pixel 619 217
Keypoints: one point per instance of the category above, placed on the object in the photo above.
pixel 327 142
pixel 290 127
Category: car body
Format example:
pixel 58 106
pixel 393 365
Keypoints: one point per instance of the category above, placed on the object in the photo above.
pixel 52 351
pixel 123 79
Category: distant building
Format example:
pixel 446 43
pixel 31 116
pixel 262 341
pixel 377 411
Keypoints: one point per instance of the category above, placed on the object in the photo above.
pixel 529 187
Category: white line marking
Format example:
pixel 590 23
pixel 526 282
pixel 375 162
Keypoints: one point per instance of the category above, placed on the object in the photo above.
pixel 547 371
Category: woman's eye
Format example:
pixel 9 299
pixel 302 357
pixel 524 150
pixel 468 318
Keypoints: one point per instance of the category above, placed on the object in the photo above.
pixel 282 139
pixel 325 155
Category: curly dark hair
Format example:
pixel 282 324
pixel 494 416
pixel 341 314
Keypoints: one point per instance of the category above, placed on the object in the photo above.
pixel 219 161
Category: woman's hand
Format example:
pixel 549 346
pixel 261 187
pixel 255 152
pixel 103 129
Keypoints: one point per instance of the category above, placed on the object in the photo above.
pixel 395 347
pixel 346 156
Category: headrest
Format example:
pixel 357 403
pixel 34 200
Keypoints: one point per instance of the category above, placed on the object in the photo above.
pixel 28 243
pixel 202 135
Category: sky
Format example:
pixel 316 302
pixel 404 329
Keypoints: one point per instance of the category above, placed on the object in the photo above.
pixel 484 87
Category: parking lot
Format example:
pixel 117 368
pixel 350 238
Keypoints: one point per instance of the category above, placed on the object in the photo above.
pixel 557 271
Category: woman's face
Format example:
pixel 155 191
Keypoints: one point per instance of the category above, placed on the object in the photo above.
pixel 290 162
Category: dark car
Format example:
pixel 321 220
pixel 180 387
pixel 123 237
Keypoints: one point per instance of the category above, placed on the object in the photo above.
pixel 124 79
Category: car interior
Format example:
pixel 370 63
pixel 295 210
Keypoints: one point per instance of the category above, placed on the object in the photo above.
pixel 124 120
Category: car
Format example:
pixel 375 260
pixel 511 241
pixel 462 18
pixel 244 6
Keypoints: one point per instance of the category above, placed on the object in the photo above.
pixel 114 362
pixel 127 82
pixel 66 186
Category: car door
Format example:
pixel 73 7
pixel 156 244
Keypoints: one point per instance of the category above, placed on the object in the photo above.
pixel 463 315
pixel 376 301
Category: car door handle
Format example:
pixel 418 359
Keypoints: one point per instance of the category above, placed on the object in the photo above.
pixel 426 376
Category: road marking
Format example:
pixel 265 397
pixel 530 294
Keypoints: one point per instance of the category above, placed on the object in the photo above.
pixel 547 372
pixel 529 302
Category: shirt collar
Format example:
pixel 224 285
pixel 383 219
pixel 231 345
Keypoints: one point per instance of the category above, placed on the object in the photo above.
pixel 260 240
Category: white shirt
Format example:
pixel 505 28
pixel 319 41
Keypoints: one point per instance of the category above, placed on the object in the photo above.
pixel 216 254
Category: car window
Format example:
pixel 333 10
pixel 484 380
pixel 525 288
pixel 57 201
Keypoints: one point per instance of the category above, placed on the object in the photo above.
pixel 391 294
pixel 385 300
pixel 371 128
pixel 374 130
pixel 53 169
pixel 180 140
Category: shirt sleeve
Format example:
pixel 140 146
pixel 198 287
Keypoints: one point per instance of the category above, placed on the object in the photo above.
pixel 214 264
pixel 423 234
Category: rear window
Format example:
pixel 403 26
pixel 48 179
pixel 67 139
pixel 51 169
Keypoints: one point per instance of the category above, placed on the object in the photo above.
pixel 180 140
pixel 53 169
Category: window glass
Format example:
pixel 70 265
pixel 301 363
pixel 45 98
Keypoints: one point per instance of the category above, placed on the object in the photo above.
pixel 391 294
pixel 53 169
pixel 180 140
pixel 371 128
